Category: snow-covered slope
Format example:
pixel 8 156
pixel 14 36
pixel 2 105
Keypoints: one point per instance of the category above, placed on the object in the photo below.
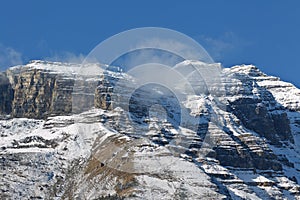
pixel 246 145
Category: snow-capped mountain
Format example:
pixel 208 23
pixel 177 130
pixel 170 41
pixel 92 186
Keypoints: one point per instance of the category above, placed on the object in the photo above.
pixel 63 137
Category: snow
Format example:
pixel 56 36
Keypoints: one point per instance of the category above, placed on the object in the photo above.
pixel 215 169
pixel 242 194
pixel 262 179
pixel 161 172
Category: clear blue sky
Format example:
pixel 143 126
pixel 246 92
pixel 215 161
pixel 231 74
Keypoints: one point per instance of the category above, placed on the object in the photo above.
pixel 261 32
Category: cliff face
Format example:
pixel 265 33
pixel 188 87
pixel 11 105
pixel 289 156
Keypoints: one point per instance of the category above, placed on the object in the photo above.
pixel 255 105
pixel 66 133
pixel 6 95
pixel 38 93
pixel 41 89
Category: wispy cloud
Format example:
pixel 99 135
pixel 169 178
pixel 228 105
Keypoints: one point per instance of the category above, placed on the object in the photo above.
pixel 9 57
pixel 223 45
pixel 66 56
pixel 181 46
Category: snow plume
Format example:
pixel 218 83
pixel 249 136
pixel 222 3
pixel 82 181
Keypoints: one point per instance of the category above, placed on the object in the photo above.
pixel 225 44
pixel 66 56
pixel 9 57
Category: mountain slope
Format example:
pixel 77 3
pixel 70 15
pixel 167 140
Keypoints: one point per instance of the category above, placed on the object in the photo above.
pixel 54 145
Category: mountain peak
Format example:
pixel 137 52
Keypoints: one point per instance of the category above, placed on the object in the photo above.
pixel 250 70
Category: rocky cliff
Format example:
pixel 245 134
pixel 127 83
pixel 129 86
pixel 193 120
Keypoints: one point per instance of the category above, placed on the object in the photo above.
pixel 63 137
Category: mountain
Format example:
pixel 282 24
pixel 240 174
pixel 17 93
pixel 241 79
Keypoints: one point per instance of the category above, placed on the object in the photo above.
pixel 69 133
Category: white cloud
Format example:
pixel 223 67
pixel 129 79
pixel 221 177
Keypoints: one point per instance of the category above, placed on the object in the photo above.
pixel 9 57
pixel 66 56
pixel 225 44
pixel 187 49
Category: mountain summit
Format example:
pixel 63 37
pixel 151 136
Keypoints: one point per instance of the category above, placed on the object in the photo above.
pixel 68 133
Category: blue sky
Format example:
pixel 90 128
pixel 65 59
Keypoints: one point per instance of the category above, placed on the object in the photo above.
pixel 265 33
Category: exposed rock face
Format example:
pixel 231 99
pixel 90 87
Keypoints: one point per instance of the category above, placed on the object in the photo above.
pixel 245 145
pixel 38 93
pixel 257 108
pixel 103 94
pixel 6 95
